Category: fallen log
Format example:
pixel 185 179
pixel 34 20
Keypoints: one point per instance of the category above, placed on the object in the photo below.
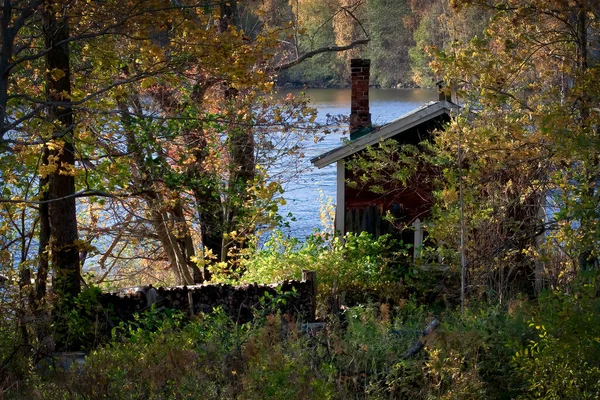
pixel 420 343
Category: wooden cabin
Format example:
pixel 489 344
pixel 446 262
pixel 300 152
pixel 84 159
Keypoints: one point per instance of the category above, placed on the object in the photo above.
pixel 360 210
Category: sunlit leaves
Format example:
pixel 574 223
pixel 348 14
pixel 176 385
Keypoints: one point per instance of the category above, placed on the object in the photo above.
pixel 154 125
pixel 532 140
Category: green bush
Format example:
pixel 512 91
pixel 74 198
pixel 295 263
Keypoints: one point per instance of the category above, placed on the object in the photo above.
pixel 208 358
pixel 543 349
pixel 357 265
pixel 469 357
pixel 373 347
pixel 86 323
pixel 562 361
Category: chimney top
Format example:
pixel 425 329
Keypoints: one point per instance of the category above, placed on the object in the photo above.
pixel 443 94
pixel 360 117
pixel 360 62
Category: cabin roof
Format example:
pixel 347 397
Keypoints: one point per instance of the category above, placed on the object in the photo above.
pixel 405 122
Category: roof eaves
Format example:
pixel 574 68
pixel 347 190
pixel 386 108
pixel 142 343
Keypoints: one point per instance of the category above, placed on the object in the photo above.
pixel 407 121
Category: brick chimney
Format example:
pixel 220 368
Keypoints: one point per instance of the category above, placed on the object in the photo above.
pixel 360 117
pixel 443 94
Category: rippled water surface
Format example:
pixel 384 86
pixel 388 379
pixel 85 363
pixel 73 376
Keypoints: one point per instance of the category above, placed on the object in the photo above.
pixel 303 192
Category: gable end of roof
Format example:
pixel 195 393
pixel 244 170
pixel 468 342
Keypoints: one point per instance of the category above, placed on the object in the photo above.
pixel 411 119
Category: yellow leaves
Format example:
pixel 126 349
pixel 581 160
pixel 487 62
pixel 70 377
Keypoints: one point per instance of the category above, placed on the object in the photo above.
pixel 148 82
pixel 54 146
pixel 67 169
pixel 56 74
pixel 189 161
pixel 52 167
pixel 450 196
pixel 206 259
pixel 45 170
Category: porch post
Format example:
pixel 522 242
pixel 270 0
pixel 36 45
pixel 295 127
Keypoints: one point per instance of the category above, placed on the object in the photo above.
pixel 340 207
pixel 418 243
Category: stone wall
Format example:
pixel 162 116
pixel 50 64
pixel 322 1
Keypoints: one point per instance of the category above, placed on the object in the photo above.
pixel 240 302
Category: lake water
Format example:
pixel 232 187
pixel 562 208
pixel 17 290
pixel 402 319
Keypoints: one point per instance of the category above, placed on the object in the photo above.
pixel 303 193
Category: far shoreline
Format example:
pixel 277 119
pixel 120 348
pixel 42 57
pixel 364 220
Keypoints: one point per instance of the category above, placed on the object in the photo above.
pixel 291 85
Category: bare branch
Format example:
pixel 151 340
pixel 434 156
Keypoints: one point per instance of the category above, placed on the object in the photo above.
pixel 82 193
pixel 320 50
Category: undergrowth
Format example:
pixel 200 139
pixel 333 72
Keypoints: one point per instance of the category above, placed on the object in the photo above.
pixel 547 349
pixel 542 348
pixel 357 266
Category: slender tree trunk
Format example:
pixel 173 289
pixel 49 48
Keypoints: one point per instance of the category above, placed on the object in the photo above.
pixel 177 258
pixel 24 293
pixel 241 172
pixel 44 237
pixel 38 295
pixel 586 258
pixel 6 54
pixel 169 224
pixel 210 211
pixel 241 149
pixel 186 244
pixel 204 187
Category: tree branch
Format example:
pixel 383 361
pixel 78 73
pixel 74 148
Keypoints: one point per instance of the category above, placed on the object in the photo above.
pixel 420 343
pixel 81 193
pixel 320 50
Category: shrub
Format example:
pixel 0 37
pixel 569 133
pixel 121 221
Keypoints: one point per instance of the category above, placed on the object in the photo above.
pixel 357 265
pixel 546 348
pixel 562 360
pixel 209 358
pixel 279 364
pixel 469 356
pixel 374 345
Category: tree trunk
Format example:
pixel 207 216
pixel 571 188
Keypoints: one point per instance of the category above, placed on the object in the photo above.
pixel 586 256
pixel 204 187
pixel 240 146
pixel 210 213
pixel 241 173
pixel 62 215
pixel 186 244
pixel 178 260
pixel 167 222
pixel 6 54
pixel 44 237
